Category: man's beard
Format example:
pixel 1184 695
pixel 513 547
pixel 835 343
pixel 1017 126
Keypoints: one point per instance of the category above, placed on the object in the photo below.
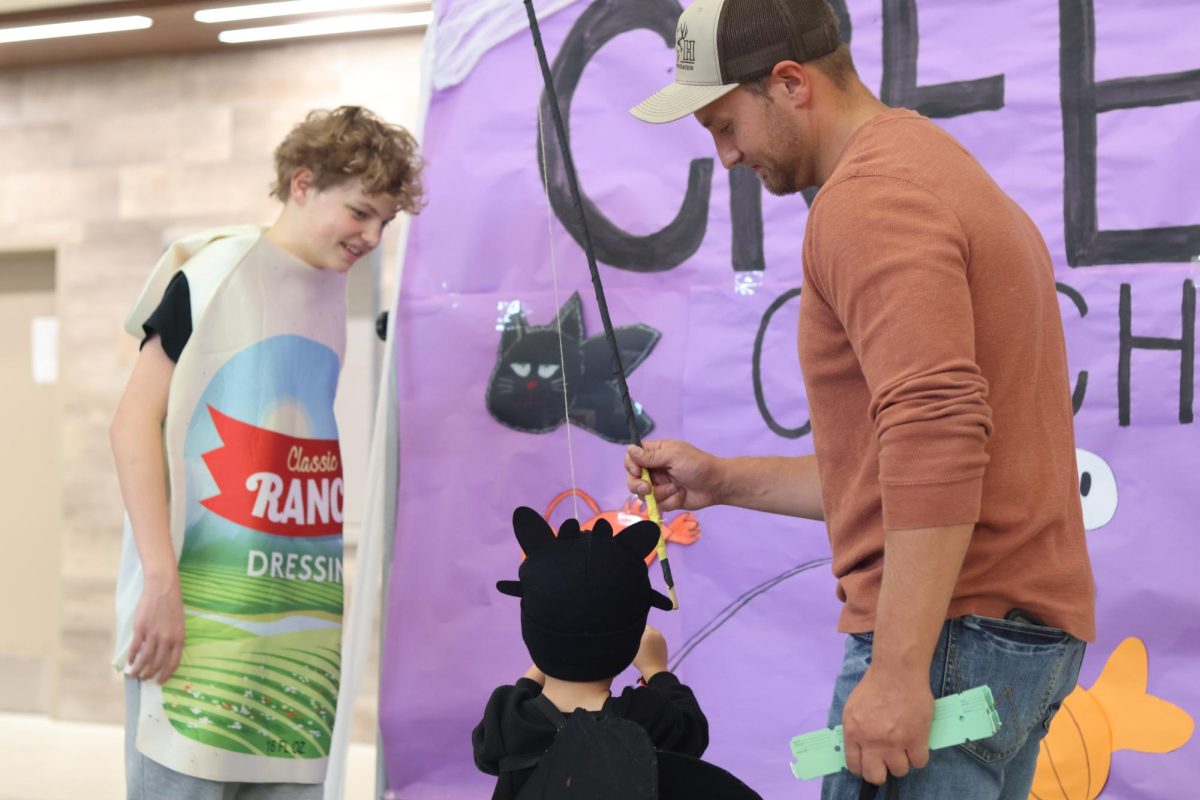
pixel 778 182
pixel 779 175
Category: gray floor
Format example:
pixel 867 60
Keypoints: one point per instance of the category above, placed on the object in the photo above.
pixel 45 759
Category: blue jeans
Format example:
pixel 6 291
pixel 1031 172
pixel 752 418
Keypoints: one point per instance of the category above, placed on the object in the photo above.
pixel 1030 670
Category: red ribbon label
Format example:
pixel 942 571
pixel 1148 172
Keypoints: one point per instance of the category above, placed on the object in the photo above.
pixel 273 483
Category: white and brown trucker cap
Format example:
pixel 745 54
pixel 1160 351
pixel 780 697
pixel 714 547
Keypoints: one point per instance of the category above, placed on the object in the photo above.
pixel 722 43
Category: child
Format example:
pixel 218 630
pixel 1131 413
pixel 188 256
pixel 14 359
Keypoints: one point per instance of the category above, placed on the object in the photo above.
pixel 585 597
pixel 229 599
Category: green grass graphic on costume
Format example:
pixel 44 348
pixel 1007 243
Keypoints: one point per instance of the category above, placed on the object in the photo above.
pixel 199 629
pixel 273 696
pixel 228 590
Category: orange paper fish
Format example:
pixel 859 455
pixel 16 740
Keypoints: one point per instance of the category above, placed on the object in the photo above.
pixel 1115 714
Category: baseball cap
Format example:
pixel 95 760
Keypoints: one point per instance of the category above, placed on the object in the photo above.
pixel 722 43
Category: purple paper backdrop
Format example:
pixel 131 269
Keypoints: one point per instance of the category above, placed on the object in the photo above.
pixel 756 630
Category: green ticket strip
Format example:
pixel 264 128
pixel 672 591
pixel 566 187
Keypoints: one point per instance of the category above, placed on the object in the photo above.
pixel 964 717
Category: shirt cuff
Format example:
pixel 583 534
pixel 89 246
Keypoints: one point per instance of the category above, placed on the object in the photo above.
pixel 931 505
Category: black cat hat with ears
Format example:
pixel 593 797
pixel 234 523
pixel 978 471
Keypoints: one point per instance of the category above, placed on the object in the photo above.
pixel 585 595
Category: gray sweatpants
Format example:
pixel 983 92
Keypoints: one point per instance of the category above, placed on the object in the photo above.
pixel 146 779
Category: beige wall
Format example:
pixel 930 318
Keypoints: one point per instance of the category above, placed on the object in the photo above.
pixel 98 164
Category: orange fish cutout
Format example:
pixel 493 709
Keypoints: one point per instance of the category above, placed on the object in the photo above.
pixel 683 529
pixel 1115 714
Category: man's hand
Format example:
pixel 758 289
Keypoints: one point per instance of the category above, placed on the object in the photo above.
pixel 885 724
pixel 684 476
pixel 651 657
pixel 158 631
pixel 887 717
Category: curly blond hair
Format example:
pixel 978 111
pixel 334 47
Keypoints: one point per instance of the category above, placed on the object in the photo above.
pixel 347 143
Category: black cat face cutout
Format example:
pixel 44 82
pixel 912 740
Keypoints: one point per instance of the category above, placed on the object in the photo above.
pixel 535 368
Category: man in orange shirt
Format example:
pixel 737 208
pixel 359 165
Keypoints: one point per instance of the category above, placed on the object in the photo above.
pixel 935 367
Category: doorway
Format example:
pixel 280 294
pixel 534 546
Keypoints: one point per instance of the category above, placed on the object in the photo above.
pixel 30 530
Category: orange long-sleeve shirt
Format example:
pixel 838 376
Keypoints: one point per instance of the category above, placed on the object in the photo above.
pixel 935 365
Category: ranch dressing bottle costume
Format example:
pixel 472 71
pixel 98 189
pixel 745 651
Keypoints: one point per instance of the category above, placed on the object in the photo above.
pixel 255 484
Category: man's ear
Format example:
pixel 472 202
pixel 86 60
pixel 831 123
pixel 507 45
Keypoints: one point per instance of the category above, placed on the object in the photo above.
pixel 302 184
pixel 796 80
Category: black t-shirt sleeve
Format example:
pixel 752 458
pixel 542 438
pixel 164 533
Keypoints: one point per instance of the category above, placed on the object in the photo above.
pixel 172 320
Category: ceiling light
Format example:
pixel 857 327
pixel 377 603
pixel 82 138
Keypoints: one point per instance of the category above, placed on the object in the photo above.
pixel 54 30
pixel 353 23
pixel 288 8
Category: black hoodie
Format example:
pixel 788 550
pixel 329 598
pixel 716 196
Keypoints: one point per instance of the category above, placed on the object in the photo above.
pixel 512 727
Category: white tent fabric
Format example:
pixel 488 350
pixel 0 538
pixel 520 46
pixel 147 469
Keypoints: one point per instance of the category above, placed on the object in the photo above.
pixel 452 49
pixel 476 27
pixel 379 516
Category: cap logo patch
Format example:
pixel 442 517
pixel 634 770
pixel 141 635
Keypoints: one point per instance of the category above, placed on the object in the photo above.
pixel 685 49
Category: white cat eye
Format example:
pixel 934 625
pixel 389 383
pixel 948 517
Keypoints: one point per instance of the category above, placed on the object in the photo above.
pixel 522 370
pixel 547 370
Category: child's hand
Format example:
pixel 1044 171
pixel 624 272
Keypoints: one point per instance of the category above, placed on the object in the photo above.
pixel 651 657
pixel 158 632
